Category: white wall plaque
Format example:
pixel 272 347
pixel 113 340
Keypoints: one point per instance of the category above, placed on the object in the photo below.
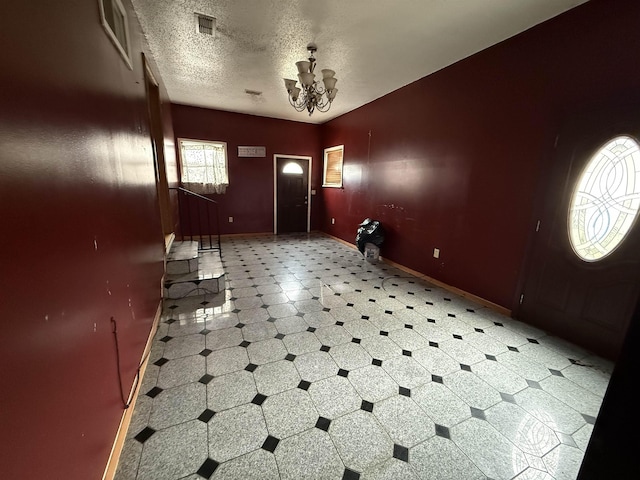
pixel 252 151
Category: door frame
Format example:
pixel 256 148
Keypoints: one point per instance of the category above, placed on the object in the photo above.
pixel 275 188
pixel 156 133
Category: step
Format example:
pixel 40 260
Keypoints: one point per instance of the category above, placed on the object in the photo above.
pixel 183 258
pixel 208 278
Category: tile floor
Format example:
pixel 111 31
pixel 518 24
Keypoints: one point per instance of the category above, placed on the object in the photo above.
pixel 315 364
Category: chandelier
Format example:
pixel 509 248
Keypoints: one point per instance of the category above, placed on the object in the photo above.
pixel 313 94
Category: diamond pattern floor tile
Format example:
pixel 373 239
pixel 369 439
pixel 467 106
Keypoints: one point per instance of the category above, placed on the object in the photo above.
pixel 317 364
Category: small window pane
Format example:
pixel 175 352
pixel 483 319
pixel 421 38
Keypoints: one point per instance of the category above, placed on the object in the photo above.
pixel 114 21
pixel 292 168
pixel 606 199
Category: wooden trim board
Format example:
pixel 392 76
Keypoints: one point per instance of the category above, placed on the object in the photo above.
pixel 125 421
pixel 493 306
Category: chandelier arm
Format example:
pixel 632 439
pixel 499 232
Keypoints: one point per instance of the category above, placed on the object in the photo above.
pixel 299 105
pixel 323 107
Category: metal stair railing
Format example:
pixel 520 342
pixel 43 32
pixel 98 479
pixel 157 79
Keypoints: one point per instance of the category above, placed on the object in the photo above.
pixel 190 204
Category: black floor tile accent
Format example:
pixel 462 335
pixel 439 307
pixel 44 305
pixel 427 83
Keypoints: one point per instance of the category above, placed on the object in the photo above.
pixel 160 361
pixel 404 391
pixel 304 385
pixel 366 406
pixel 442 431
pixel 270 444
pixel 205 379
pixel 477 413
pixel 144 434
pixel 206 415
pixel 534 384
pixel 259 399
pixel 350 475
pixel 154 392
pixel 400 452
pixel 323 423
pixel 208 468
pixel 507 397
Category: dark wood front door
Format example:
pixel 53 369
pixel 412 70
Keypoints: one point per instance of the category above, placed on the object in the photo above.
pixel 292 179
pixel 587 302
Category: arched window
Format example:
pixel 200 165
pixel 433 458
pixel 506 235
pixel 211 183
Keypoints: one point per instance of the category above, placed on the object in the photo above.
pixel 606 199
pixel 292 168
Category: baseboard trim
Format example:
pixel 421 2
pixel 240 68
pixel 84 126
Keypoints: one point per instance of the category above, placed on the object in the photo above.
pixel 125 420
pixel 482 301
pixel 253 234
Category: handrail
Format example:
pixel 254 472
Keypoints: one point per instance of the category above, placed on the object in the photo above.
pixel 203 233
pixel 182 189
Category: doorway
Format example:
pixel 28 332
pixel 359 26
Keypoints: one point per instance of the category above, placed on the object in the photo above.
pixel 577 290
pixel 157 145
pixel 292 206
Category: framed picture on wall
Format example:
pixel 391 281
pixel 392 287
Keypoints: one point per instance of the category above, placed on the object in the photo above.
pixel 332 173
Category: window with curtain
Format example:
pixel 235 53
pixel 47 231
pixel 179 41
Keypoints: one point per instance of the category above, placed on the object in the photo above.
pixel 332 176
pixel 203 166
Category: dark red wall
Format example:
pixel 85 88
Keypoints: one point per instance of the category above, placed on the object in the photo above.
pixel 249 197
pixel 81 239
pixel 454 160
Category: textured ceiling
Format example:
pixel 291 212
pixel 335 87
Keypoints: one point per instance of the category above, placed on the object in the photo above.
pixel 375 46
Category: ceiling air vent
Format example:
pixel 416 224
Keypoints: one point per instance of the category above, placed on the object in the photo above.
pixel 205 24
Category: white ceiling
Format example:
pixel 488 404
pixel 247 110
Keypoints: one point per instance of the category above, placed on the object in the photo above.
pixel 375 46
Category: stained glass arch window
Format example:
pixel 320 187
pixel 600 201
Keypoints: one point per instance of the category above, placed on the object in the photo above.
pixel 606 199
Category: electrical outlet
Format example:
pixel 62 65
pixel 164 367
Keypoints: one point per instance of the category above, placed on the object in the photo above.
pixel 333 221
pixel 436 253
pixel 230 219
